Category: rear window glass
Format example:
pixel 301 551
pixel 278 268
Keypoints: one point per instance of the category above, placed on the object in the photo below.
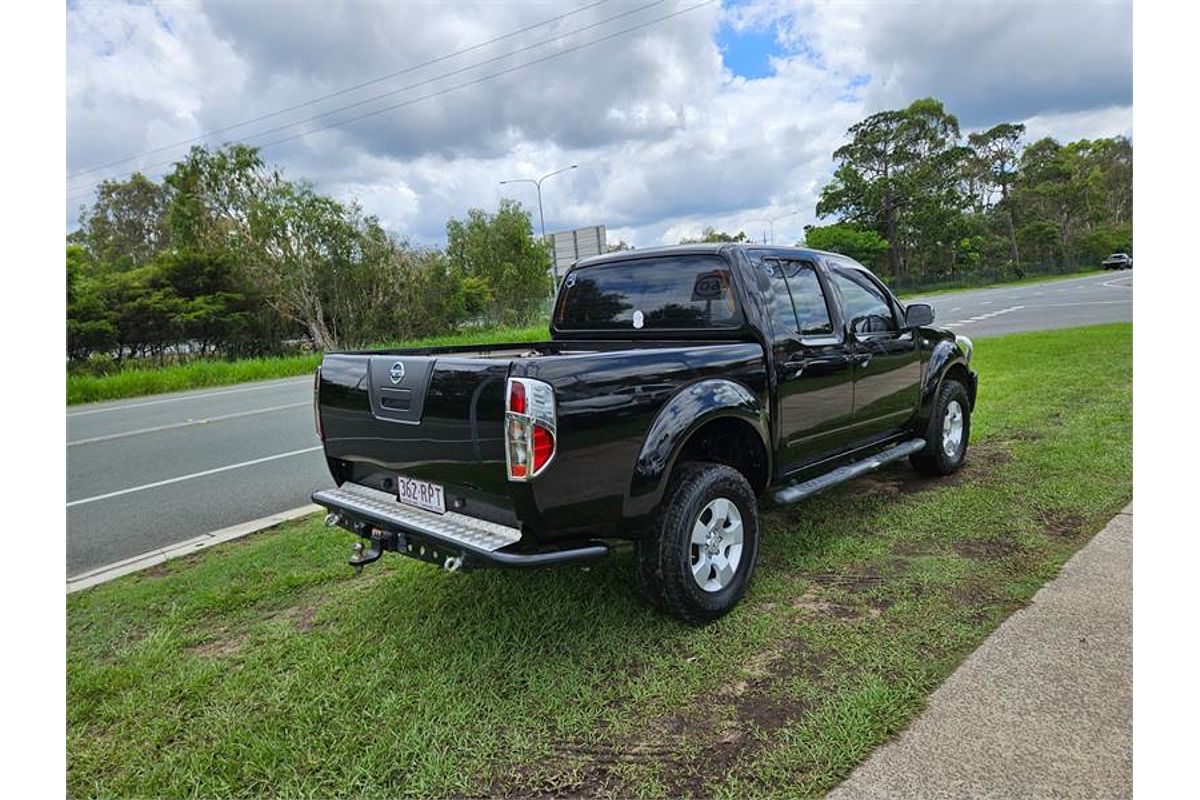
pixel 686 291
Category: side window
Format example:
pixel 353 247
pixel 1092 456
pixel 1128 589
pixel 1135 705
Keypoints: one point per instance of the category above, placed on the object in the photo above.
pixel 799 303
pixel 811 310
pixel 866 307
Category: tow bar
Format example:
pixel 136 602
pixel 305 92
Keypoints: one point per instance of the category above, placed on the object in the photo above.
pixel 380 541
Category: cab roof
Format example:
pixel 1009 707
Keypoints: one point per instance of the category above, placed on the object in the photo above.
pixel 702 248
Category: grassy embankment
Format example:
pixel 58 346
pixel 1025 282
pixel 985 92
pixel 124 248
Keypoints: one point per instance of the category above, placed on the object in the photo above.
pixel 136 382
pixel 265 668
pixel 934 292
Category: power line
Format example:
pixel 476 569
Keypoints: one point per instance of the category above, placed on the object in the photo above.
pixel 93 183
pixel 338 93
pixel 447 90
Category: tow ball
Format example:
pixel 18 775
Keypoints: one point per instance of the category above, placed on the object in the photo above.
pixel 380 541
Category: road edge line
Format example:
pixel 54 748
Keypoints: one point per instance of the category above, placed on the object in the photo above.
pixel 126 566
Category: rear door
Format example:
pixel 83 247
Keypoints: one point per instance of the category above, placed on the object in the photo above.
pixel 887 363
pixel 813 364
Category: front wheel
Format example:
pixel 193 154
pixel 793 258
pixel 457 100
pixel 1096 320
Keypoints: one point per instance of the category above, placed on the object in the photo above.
pixel 698 566
pixel 948 433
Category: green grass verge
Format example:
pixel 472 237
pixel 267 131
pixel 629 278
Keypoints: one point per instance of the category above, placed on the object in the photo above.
pixel 201 374
pixel 1004 285
pixel 264 668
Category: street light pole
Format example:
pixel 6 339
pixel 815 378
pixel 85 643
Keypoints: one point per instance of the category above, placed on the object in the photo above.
pixel 771 222
pixel 537 182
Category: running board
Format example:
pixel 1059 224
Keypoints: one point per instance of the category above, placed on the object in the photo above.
pixel 799 491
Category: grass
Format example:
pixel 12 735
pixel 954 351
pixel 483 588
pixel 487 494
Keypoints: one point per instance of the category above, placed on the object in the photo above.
pixel 264 668
pixel 1002 285
pixel 200 374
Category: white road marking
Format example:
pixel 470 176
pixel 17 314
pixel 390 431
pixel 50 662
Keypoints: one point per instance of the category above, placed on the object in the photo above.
pixel 985 302
pixel 206 472
pixel 956 308
pixel 1083 303
pixel 186 423
pixel 272 385
pixel 1114 285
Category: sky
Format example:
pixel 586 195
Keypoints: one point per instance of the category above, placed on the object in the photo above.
pixel 680 114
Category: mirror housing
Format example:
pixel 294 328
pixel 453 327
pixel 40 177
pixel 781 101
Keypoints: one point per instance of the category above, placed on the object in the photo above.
pixel 918 315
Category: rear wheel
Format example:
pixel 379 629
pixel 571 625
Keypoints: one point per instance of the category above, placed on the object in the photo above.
pixel 699 564
pixel 948 432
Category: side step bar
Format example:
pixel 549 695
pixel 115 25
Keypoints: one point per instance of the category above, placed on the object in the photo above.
pixel 799 491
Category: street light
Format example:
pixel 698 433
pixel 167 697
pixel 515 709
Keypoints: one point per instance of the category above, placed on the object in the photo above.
pixel 541 215
pixel 771 222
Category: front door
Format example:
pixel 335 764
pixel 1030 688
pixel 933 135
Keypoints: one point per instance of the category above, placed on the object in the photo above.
pixel 887 363
pixel 813 365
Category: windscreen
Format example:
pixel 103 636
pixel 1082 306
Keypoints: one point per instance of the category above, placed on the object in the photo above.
pixel 661 292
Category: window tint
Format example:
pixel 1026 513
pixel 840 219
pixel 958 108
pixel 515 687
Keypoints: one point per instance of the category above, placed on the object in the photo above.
pixel 684 291
pixel 866 306
pixel 799 303
pixel 811 310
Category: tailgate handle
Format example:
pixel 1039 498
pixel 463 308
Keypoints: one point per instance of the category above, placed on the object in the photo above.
pixel 396 399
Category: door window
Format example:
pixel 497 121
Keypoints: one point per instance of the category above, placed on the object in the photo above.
pixel 866 306
pixel 798 301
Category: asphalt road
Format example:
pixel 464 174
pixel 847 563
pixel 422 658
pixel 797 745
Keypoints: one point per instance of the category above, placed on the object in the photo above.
pixel 150 472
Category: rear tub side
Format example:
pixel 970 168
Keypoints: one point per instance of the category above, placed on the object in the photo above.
pixel 606 475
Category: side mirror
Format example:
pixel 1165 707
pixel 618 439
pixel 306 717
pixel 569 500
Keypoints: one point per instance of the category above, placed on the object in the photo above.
pixel 918 315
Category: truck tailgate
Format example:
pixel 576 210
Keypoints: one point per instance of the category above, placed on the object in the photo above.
pixel 436 418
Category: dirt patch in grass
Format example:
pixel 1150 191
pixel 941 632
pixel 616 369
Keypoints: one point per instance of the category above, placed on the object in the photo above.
pixel 1060 524
pixel 983 460
pixel 916 549
pixel 985 549
pixel 302 615
pixel 226 644
pixel 696 746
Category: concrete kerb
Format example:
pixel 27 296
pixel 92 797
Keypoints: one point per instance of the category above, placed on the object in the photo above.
pixel 109 572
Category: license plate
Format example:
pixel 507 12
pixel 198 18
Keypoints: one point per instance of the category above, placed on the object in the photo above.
pixel 421 494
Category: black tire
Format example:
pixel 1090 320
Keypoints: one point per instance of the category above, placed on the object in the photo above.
pixel 663 564
pixel 935 459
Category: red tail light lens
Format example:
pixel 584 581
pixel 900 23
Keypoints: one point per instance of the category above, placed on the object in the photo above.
pixel 516 397
pixel 543 447
pixel 530 424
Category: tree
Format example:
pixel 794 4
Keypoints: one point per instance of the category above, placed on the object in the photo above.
pixel 997 157
pixel 497 253
pixel 711 234
pixel 865 246
pixel 126 226
pixel 900 175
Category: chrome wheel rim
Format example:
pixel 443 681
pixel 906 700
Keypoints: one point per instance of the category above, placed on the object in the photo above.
pixel 716 545
pixel 952 429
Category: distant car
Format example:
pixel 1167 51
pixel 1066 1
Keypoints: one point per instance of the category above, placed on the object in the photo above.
pixel 1118 261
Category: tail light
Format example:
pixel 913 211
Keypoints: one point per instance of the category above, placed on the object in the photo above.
pixel 530 421
pixel 317 404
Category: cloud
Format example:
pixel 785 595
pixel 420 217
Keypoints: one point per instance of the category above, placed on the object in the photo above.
pixel 668 135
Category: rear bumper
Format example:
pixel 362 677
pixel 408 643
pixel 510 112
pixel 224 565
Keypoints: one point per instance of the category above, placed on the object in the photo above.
pixel 438 538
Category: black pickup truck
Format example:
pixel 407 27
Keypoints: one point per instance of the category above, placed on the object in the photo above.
pixel 679 386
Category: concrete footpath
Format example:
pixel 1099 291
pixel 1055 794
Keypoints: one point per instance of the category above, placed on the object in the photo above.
pixel 1042 709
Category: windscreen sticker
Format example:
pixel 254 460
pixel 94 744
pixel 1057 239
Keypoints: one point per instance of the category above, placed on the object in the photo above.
pixel 638 319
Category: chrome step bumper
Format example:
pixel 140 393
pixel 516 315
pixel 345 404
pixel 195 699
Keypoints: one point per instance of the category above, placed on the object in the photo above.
pixel 360 508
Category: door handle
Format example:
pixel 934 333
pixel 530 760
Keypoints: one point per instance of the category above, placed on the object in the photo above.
pixel 795 367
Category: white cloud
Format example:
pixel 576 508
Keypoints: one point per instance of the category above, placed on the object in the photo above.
pixel 667 138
